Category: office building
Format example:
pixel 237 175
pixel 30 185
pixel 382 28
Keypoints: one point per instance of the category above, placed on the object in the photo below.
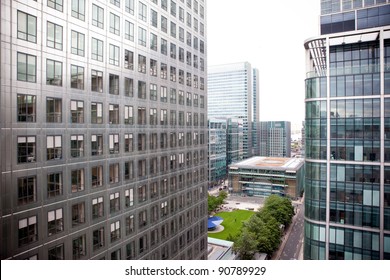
pixel 230 95
pixel 347 193
pixel 264 176
pixel 103 129
pixel 217 150
pixel 275 139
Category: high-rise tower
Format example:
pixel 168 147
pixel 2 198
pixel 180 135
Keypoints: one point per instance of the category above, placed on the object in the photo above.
pixel 347 190
pixel 230 95
pixel 103 129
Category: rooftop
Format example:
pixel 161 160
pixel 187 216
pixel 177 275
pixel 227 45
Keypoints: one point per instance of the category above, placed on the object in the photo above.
pixel 270 163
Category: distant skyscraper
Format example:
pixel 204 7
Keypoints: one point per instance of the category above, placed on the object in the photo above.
pixel 103 129
pixel 230 94
pixel 217 150
pixel 347 190
pixel 275 139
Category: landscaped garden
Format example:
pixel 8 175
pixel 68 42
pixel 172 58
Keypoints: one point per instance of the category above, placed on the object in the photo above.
pixel 232 223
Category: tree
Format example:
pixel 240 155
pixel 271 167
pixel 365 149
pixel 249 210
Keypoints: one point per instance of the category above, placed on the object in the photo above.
pixel 280 208
pixel 245 245
pixel 215 201
pixel 264 227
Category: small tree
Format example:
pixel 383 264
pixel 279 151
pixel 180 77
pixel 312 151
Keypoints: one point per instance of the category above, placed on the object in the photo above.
pixel 215 201
pixel 245 245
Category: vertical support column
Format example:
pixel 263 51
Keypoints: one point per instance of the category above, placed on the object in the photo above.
pixel 382 143
pixel 327 230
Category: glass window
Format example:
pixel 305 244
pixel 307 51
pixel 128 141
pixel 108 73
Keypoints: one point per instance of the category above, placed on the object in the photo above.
pixel 129 145
pixel 97 16
pixel 98 238
pixel 26 149
pixel 77 147
pixel 114 24
pixel 142 64
pixel 129 6
pixel 53 147
pixel 96 150
pixel 129 31
pixel 142 11
pixel 114 84
pixel 54 184
pixel 116 2
pixel 153 18
pixel 54 36
pixel 26 108
pixel 129 60
pixel 27 190
pixel 129 115
pixel 77 180
pixel 78 9
pixel 153 42
pixel 78 214
pixel 96 81
pixel 97 207
pixel 27 27
pixel 53 110
pixel 129 87
pixel 27 231
pixel 164 24
pixel 114 55
pixel 79 247
pixel 141 36
pixel 77 77
pixel 77 111
pixel 96 113
pixel 56 252
pixel 55 221
pixel 142 89
pixel 53 72
pixel 97 49
pixel 55 4
pixel 77 43
pixel 113 114
pixel 27 67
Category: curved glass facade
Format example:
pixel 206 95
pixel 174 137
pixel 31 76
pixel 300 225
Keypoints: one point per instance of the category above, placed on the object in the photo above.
pixel 347 190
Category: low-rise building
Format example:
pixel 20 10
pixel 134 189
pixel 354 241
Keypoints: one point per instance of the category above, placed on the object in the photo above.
pixel 263 176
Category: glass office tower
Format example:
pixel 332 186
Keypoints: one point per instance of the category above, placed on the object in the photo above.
pixel 347 195
pixel 230 95
pixel 103 129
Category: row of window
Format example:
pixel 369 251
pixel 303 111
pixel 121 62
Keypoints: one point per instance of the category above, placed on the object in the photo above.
pixel 28 186
pixel 27 30
pixel 27 147
pixel 28 232
pixel 27 71
pixel 26 112
pixel 137 248
pixel 157 211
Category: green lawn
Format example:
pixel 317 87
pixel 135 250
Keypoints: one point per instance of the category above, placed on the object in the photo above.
pixel 232 222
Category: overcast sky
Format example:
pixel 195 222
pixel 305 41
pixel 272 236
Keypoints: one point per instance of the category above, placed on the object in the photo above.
pixel 270 36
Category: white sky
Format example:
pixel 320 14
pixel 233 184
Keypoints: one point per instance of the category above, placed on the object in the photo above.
pixel 270 36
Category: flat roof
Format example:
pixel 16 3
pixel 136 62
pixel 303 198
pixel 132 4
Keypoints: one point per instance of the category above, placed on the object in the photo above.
pixel 270 163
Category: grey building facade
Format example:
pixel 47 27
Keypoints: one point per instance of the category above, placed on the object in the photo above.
pixel 347 194
pixel 275 139
pixel 103 129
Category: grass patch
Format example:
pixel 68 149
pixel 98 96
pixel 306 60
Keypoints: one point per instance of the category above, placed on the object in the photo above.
pixel 232 222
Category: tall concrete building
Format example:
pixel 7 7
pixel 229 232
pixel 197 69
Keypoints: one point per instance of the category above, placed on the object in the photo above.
pixel 230 94
pixel 347 193
pixel 103 129
pixel 275 139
